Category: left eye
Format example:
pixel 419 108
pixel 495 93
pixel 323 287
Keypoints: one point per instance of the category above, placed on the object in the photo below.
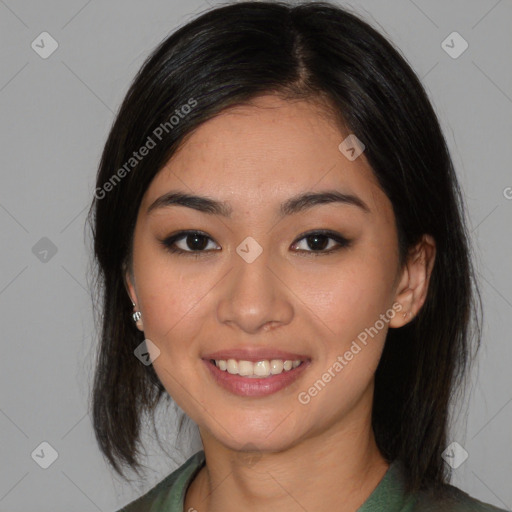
pixel 318 240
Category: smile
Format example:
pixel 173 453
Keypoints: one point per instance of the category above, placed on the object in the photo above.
pixel 250 369
pixel 255 379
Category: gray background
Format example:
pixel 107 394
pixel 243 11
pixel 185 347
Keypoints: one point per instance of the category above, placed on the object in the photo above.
pixel 55 114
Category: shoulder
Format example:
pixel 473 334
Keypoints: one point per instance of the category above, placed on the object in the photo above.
pixel 175 482
pixel 451 499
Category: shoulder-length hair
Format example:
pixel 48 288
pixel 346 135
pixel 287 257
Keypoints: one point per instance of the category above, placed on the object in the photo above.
pixel 312 51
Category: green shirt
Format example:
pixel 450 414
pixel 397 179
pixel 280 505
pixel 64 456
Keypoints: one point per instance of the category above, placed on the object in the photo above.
pixel 388 496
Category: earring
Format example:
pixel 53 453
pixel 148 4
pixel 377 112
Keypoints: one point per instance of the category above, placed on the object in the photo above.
pixel 137 315
pixel 404 315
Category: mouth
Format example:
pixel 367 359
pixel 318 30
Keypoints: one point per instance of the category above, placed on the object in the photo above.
pixel 263 369
pixel 254 375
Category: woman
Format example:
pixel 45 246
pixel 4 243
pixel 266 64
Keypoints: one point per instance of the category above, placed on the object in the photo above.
pixel 319 374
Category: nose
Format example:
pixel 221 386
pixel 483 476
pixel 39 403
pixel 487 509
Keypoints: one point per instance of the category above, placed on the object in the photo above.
pixel 255 296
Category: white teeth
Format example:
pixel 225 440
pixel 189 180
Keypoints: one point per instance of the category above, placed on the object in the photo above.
pixel 245 368
pixel 276 366
pixel 263 368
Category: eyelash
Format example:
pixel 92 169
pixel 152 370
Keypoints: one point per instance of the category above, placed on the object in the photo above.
pixel 168 243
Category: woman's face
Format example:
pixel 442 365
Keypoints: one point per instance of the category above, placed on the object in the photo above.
pixel 255 281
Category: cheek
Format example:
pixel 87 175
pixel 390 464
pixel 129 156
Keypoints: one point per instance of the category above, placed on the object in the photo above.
pixel 348 297
pixel 171 312
pixel 171 295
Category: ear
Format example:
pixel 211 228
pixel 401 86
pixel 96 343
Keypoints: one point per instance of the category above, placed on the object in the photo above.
pixel 412 289
pixel 129 283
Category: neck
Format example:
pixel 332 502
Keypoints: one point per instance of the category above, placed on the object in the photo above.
pixel 335 470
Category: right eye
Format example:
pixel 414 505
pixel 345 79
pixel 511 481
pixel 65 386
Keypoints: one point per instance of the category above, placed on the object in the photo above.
pixel 194 243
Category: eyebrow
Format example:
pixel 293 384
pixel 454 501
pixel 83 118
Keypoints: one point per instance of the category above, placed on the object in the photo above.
pixel 295 204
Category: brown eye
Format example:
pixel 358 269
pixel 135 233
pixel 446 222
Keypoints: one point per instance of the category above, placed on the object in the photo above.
pixel 191 242
pixel 318 242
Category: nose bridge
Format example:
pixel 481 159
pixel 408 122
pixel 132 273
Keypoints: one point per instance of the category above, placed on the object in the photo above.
pixel 250 250
pixel 251 263
pixel 253 296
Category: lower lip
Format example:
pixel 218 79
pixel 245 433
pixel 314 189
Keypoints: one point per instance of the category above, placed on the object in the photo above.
pixel 245 386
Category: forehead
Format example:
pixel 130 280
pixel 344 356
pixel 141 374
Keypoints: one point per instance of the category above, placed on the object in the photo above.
pixel 271 148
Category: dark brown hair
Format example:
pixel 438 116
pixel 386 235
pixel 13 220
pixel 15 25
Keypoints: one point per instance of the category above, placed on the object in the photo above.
pixel 226 57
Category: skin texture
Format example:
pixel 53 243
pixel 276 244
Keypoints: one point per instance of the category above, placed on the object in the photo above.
pixel 314 456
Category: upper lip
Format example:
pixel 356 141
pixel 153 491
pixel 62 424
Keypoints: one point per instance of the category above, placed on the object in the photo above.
pixel 255 354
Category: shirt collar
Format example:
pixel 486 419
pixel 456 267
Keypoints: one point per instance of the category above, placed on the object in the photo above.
pixel 389 495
